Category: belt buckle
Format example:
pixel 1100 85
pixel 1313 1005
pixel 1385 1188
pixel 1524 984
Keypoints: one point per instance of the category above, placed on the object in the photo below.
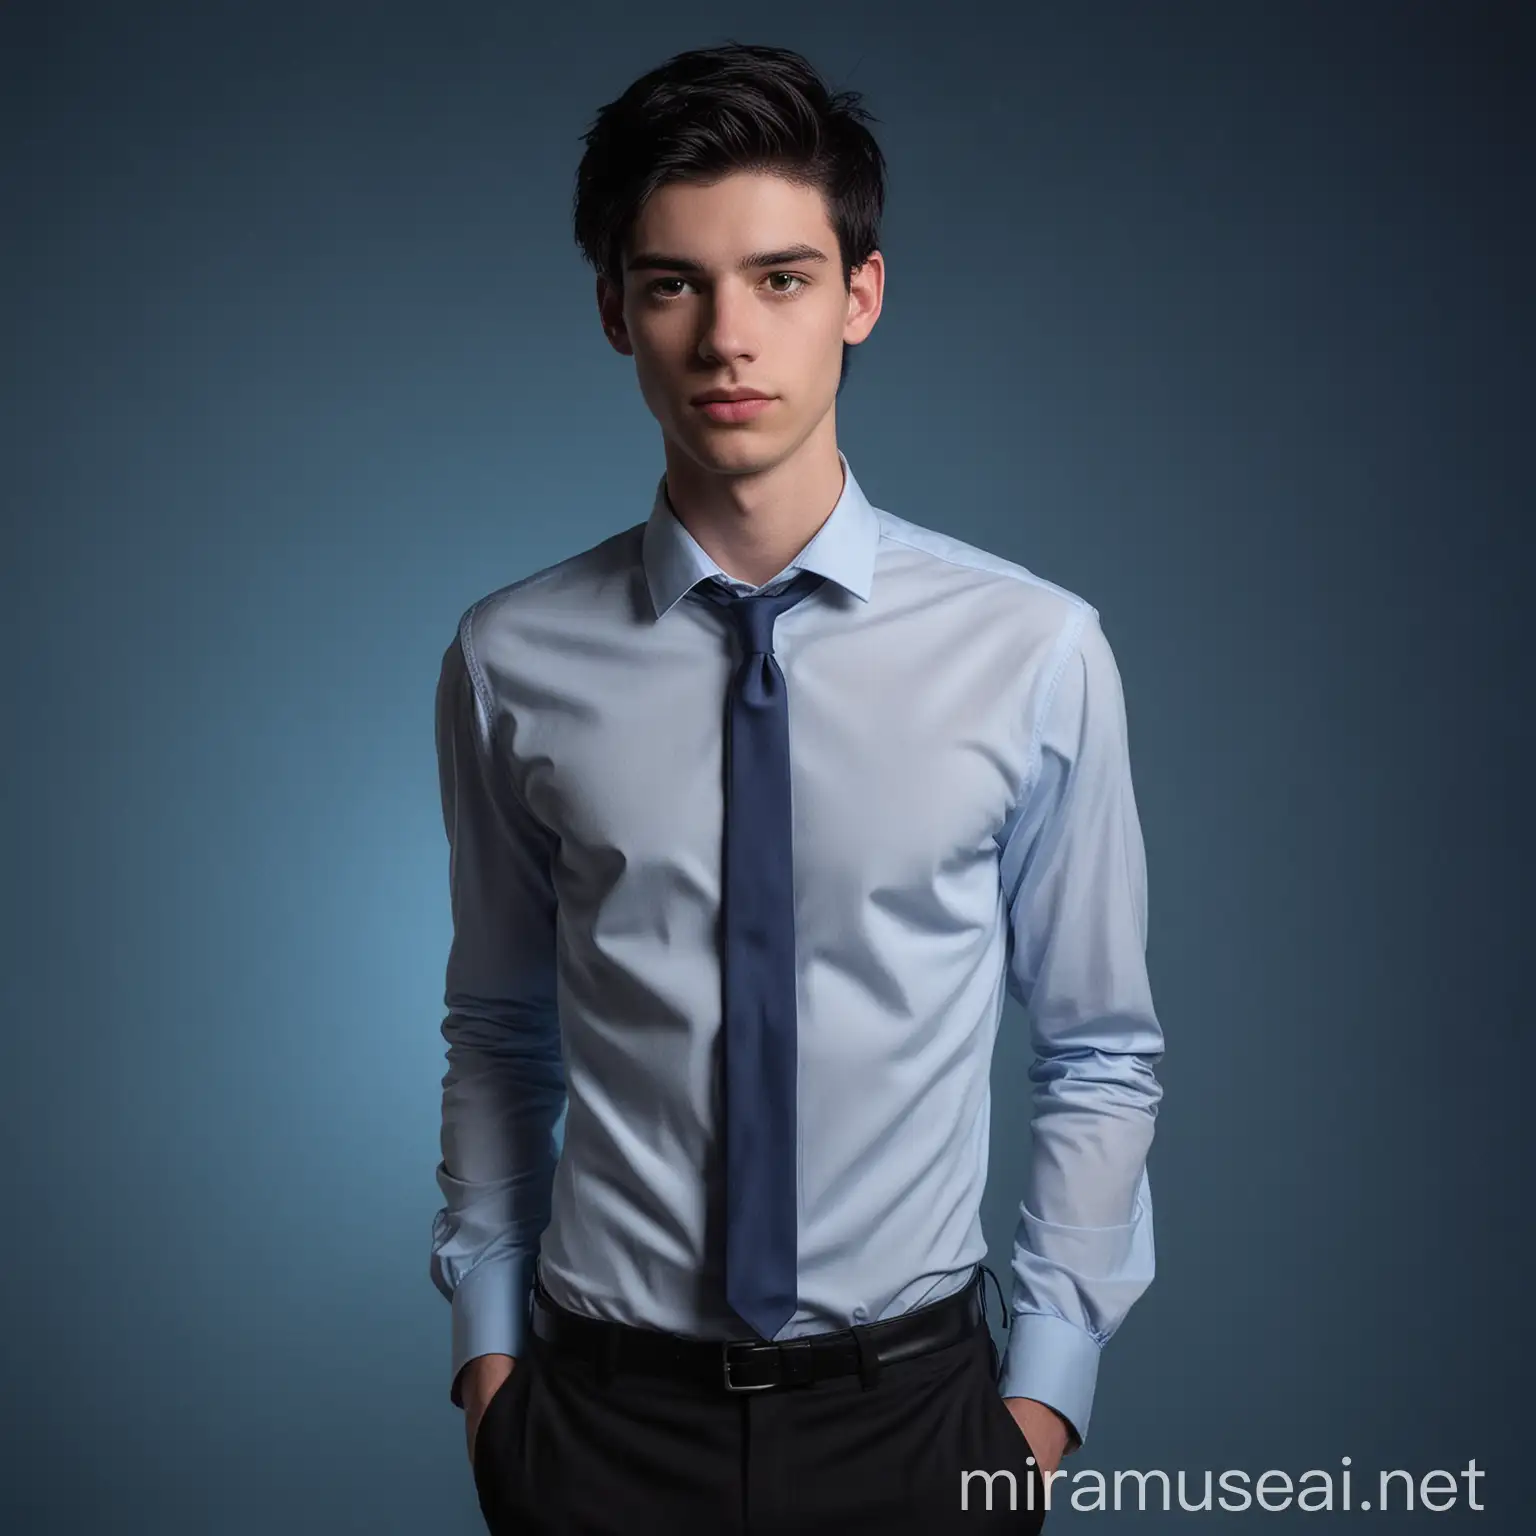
pixel 732 1386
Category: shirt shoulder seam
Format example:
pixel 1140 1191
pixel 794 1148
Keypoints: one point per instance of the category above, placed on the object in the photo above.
pixel 1005 568
pixel 477 678
pixel 1066 646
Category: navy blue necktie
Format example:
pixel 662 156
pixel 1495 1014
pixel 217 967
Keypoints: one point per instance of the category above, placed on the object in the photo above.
pixel 758 970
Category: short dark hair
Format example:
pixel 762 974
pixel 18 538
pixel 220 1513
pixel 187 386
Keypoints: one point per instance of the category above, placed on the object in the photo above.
pixel 710 112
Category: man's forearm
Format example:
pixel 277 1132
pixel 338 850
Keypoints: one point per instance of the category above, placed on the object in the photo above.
pixel 504 1089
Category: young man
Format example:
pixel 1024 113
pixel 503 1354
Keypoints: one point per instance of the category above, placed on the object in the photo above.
pixel 755 809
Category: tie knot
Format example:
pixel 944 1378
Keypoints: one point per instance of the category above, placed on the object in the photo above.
pixel 754 613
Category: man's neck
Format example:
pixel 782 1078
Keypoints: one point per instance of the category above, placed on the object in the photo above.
pixel 752 526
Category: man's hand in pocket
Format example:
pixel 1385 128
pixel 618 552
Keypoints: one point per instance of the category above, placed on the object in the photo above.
pixel 482 1377
pixel 1045 1430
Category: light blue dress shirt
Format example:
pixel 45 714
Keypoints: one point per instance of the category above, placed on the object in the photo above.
pixel 964 821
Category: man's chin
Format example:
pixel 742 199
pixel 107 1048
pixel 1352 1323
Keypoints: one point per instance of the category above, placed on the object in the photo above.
pixel 740 448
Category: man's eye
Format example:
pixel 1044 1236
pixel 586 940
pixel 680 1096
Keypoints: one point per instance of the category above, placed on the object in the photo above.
pixel 794 277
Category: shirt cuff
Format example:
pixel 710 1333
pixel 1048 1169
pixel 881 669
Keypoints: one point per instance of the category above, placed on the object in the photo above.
pixel 1056 1363
pixel 490 1313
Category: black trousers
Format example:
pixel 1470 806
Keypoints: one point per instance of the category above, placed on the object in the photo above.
pixel 563 1452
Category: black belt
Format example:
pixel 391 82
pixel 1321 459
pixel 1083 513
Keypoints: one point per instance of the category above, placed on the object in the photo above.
pixel 756 1365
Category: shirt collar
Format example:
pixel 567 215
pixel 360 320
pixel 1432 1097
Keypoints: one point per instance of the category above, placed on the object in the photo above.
pixel 842 550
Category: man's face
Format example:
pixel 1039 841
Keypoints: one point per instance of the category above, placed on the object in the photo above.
pixel 778 326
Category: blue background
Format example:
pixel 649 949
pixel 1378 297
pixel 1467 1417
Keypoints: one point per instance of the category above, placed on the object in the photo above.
pixel 1210 312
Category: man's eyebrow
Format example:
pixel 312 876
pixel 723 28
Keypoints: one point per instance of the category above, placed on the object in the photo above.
pixel 660 262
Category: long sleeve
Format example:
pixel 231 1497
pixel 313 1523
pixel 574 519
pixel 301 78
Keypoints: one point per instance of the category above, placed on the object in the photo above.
pixel 504 1088
pixel 1074 877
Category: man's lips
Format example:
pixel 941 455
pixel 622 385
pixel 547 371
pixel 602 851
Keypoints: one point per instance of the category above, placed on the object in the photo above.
pixel 734 410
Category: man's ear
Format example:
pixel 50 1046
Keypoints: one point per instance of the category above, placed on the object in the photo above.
pixel 610 310
pixel 866 296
